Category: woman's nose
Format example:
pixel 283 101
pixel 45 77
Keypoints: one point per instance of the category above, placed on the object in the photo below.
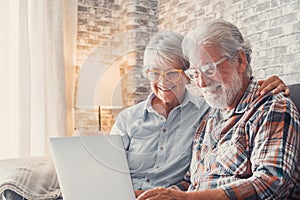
pixel 163 78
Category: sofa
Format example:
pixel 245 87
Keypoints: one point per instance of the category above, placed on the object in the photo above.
pixel 295 94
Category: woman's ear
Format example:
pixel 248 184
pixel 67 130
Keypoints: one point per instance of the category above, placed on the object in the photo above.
pixel 188 80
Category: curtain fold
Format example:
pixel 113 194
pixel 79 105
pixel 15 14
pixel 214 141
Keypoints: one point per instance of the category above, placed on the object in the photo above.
pixel 42 76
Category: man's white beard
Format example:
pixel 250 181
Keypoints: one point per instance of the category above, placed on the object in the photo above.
pixel 227 94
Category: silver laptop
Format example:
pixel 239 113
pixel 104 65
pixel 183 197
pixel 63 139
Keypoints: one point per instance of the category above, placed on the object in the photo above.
pixel 92 167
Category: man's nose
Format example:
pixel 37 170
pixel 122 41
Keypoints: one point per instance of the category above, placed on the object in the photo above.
pixel 203 81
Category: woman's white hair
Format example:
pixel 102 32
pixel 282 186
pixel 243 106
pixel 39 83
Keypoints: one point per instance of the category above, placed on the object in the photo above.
pixel 165 49
pixel 221 33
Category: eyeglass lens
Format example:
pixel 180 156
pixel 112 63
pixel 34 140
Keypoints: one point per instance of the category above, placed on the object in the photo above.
pixel 171 75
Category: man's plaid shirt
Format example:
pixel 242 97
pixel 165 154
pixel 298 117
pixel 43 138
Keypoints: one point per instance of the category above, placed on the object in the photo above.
pixel 253 152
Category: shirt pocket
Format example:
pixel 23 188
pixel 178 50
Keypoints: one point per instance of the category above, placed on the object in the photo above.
pixel 141 153
pixel 138 162
pixel 232 159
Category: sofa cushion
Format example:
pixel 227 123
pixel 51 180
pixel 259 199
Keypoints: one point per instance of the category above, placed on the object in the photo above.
pixel 31 178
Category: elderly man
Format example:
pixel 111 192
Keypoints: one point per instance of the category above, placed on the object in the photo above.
pixel 247 146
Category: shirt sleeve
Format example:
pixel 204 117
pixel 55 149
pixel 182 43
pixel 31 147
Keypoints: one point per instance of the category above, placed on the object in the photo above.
pixel 274 145
pixel 119 128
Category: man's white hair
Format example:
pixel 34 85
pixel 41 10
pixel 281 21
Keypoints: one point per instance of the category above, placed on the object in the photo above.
pixel 218 33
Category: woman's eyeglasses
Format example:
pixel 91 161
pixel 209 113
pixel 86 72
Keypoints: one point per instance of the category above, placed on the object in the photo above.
pixel 208 69
pixel 172 75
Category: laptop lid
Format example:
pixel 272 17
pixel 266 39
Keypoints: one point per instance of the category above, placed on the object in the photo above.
pixel 92 167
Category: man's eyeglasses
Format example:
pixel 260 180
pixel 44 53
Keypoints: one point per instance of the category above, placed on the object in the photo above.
pixel 172 75
pixel 208 69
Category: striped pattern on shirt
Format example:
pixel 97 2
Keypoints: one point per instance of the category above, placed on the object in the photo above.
pixel 252 154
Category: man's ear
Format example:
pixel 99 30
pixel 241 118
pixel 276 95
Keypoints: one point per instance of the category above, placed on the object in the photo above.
pixel 242 61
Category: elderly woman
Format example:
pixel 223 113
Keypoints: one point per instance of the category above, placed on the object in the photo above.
pixel 158 132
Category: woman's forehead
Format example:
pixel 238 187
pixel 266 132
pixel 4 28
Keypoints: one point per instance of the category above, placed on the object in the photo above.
pixel 163 67
pixel 159 60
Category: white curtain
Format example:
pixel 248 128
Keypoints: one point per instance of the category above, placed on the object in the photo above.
pixel 37 42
